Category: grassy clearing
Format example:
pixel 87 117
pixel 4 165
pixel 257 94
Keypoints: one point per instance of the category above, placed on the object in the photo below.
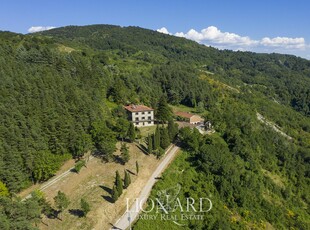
pixel 148 130
pixel 94 184
pixel 111 105
pixel 274 177
pixel 182 108
pixel 65 49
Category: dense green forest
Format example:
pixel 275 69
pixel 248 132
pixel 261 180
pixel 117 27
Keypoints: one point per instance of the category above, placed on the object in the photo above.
pixel 57 86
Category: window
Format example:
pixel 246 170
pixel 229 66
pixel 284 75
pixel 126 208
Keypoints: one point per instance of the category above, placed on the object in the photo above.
pixel 142 112
pixel 137 113
pixel 143 118
pixel 149 112
pixel 137 119
pixel 150 122
pixel 150 118
pixel 137 123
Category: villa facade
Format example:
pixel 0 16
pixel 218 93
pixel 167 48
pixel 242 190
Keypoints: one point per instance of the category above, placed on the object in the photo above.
pixel 140 115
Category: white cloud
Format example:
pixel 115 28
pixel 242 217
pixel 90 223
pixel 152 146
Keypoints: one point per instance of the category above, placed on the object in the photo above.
pixel 290 43
pixel 214 35
pixel 227 40
pixel 163 30
pixel 34 29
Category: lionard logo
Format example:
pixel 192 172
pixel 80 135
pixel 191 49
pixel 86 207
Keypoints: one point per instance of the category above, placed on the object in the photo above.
pixel 167 206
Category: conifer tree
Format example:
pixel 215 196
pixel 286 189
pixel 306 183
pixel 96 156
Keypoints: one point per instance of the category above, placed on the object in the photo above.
pixel 125 153
pixel 61 201
pixel 114 194
pixel 157 138
pixel 150 144
pixel 164 112
pixel 118 183
pixel 164 138
pixel 137 167
pixel 127 180
pixel 131 132
pixel 172 130
pixel 85 206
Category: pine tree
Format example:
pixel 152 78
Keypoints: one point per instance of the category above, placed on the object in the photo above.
pixel 164 112
pixel 85 206
pixel 127 180
pixel 137 167
pixel 118 184
pixel 78 166
pixel 164 138
pixel 61 201
pixel 150 144
pixel 131 132
pixel 114 194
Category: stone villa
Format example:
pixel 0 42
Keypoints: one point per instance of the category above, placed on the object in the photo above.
pixel 140 115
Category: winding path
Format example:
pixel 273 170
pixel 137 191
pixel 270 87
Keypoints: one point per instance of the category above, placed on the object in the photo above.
pixel 54 180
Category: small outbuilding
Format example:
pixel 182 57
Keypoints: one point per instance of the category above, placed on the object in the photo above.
pixel 189 117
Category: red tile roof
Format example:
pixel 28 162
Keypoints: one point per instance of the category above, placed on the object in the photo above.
pixel 137 108
pixel 184 114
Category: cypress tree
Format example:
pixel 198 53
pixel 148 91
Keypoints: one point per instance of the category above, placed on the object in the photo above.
pixel 172 130
pixel 157 138
pixel 131 132
pixel 126 179
pixel 118 183
pixel 164 138
pixel 137 167
pixel 85 206
pixel 114 194
pixel 150 144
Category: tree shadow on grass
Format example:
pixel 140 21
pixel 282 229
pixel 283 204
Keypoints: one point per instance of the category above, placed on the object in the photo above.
pixel 131 172
pixel 52 213
pixel 74 170
pixel 76 212
pixel 105 188
pixel 119 160
pixel 109 191
pixel 108 198
pixel 143 149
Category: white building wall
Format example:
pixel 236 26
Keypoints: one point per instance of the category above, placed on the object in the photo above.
pixel 140 119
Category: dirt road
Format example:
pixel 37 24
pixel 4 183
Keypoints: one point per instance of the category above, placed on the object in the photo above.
pixel 129 217
pixel 54 180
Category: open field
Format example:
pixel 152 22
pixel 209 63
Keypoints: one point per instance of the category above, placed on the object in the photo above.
pixel 182 108
pixel 94 184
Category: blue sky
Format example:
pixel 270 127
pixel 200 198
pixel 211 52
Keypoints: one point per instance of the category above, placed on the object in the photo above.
pixel 255 25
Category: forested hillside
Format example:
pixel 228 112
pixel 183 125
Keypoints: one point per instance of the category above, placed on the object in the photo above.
pixel 57 87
